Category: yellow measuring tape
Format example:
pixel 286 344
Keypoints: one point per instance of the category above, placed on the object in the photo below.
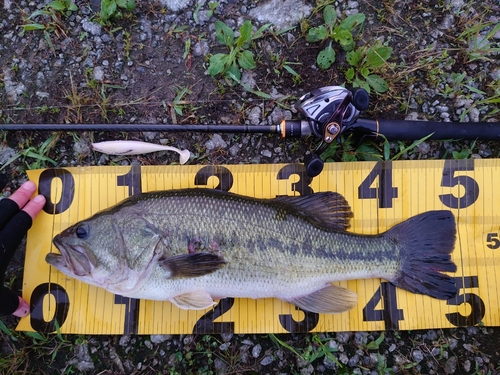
pixel 381 194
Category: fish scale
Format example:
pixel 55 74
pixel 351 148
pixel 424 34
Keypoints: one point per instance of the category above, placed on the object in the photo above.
pixel 192 246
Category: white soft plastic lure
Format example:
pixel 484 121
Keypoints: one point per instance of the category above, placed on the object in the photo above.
pixel 137 148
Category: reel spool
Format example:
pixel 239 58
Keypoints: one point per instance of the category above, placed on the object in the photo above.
pixel 328 110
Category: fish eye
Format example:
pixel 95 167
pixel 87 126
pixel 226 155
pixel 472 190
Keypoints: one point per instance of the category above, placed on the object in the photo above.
pixel 82 231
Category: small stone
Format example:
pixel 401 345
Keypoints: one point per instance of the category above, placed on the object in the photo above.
pixel 201 49
pixel 266 153
pixel 225 346
pixel 220 366
pixel 466 365
pixel 451 365
pixel 435 352
pixel 353 361
pixel 98 73
pixel 215 143
pixel 342 337
pixel 124 340
pixel 267 360
pixel 226 336
pixel 148 344
pixel 432 335
pixel 256 351
pixel 343 358
pixel 158 339
pixel 254 115
pixel 234 149
pixel 418 356
pixel 92 28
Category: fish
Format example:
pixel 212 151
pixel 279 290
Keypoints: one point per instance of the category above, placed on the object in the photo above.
pixel 195 246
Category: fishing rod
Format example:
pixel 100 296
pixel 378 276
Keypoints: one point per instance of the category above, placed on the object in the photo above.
pixel 325 113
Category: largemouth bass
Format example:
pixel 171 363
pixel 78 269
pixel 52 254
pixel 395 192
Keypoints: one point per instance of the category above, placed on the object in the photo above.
pixel 193 246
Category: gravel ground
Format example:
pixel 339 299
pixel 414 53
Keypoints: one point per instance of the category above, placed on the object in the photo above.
pixel 151 66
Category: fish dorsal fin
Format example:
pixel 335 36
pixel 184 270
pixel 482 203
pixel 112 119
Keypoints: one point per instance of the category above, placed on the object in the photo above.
pixel 327 208
pixel 198 300
pixel 330 300
pixel 191 265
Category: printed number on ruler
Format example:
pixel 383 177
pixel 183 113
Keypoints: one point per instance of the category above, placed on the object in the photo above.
pixel 37 298
pixel 132 180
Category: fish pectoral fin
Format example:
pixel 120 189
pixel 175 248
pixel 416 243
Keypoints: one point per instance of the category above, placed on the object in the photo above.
pixel 330 300
pixel 191 265
pixel 198 300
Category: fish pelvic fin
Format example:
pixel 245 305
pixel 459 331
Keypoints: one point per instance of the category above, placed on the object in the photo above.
pixel 326 209
pixel 427 241
pixel 198 300
pixel 331 299
pixel 191 265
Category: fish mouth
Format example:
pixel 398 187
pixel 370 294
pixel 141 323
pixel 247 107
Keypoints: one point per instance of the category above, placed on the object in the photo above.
pixel 72 258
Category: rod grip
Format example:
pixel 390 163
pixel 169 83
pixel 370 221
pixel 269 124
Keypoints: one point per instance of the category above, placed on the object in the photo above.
pixel 414 130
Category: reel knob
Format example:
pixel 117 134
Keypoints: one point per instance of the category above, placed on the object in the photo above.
pixel 313 165
pixel 360 99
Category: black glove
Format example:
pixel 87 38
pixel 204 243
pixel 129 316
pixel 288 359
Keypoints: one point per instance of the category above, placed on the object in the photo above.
pixel 14 224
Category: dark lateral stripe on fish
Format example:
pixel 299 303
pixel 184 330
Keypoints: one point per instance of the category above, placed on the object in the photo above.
pixel 191 265
pixel 428 240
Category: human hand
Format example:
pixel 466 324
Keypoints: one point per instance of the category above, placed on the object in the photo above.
pixel 16 216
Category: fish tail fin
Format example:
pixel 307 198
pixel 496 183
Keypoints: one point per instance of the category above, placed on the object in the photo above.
pixel 427 241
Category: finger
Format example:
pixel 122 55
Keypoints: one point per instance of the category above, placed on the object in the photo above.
pixel 22 195
pixel 34 206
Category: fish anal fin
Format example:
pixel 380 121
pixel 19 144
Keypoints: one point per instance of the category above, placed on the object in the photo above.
pixel 191 265
pixel 327 209
pixel 331 299
pixel 198 300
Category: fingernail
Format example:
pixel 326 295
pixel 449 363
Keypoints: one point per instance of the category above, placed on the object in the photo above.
pixel 29 185
pixel 39 199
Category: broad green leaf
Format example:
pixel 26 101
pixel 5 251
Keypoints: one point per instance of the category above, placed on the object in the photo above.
pixel 354 57
pixel 57 5
pixel 224 33
pixel 365 72
pixel 316 34
pixel 377 56
pixel 245 33
pixel 363 84
pixel 217 64
pixel 330 15
pixel 126 4
pixel 37 13
pixel 108 8
pixel 233 71
pixel 352 21
pixel 326 58
pixel 344 37
pixel 72 7
pixel 246 61
pixel 377 82
pixel 349 74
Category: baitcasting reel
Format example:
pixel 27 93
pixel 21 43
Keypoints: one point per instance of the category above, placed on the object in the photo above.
pixel 327 112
